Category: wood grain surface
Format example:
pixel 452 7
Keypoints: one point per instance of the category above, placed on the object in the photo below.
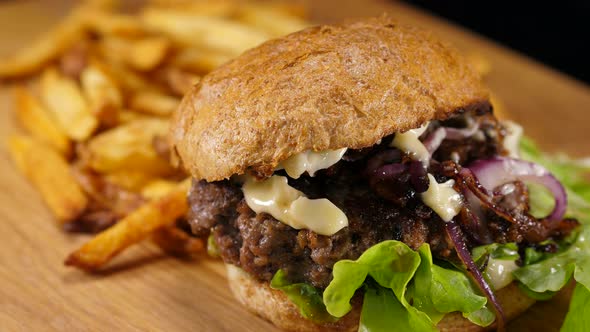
pixel 143 290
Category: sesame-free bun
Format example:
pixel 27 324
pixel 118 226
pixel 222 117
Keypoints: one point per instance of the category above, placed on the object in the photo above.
pixel 321 88
pixel 273 305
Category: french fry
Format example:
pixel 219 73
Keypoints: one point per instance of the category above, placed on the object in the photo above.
pixel 129 147
pixel 142 54
pixel 154 103
pixel 179 81
pixel 92 222
pixel 199 60
pixel 113 49
pixel 130 180
pixel 115 24
pixel 174 241
pixel 98 85
pixel 50 174
pixel 121 75
pixel 162 147
pixel 105 195
pixel 54 42
pixel 73 61
pixel 203 31
pixel 132 229
pixel 157 188
pixel 127 116
pixel 103 95
pixel 39 123
pixel 219 8
pixel 65 101
pixel 147 53
pixel 32 58
pixel 127 79
pixel 271 20
pixel 289 8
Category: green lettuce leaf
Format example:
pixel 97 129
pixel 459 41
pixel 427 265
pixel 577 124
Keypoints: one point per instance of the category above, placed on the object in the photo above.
pixel 534 295
pixel 578 316
pixel 419 290
pixel 548 273
pixel 482 317
pixel 383 312
pixel 306 297
pixel 437 291
pixel 571 173
pixel 390 263
pixel 554 273
pixel 531 256
pixel 392 275
pixel 386 270
pixel 506 251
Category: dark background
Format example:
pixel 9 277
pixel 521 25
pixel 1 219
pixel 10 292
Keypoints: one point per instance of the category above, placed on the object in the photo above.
pixel 556 33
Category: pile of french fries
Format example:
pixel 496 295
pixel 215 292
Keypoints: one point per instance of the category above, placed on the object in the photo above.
pixel 94 96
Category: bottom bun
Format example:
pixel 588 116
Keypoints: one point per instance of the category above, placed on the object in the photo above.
pixel 275 306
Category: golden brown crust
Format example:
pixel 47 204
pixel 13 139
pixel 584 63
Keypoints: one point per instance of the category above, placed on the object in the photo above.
pixel 274 306
pixel 322 88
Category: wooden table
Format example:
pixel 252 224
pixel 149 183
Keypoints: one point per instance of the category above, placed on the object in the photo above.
pixel 144 290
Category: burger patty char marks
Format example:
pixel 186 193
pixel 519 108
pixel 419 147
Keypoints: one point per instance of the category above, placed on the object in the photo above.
pixel 377 209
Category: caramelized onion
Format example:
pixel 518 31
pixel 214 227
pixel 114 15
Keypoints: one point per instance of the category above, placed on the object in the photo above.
pixel 494 172
pixel 456 235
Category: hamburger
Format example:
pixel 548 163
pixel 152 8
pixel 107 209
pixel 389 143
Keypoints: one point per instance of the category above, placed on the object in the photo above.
pixel 354 176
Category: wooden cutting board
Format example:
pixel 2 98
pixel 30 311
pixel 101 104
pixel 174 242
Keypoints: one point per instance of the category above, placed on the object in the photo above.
pixel 143 290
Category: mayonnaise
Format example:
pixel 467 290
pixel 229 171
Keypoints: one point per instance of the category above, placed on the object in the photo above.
pixel 442 198
pixel 310 162
pixel 499 272
pixel 409 142
pixel 290 206
pixel 512 140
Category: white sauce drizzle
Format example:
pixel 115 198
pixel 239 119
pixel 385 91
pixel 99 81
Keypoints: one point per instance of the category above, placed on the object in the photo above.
pixel 499 272
pixel 512 140
pixel 409 143
pixel 310 162
pixel 440 197
pixel 290 206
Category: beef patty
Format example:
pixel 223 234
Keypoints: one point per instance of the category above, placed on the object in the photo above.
pixel 377 209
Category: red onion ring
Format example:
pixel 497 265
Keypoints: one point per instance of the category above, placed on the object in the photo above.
pixel 497 171
pixel 456 133
pixel 479 192
pixel 433 141
pixel 456 235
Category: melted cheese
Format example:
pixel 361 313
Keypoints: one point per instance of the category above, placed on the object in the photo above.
pixel 409 142
pixel 512 140
pixel 442 198
pixel 310 162
pixel 290 206
pixel 499 272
